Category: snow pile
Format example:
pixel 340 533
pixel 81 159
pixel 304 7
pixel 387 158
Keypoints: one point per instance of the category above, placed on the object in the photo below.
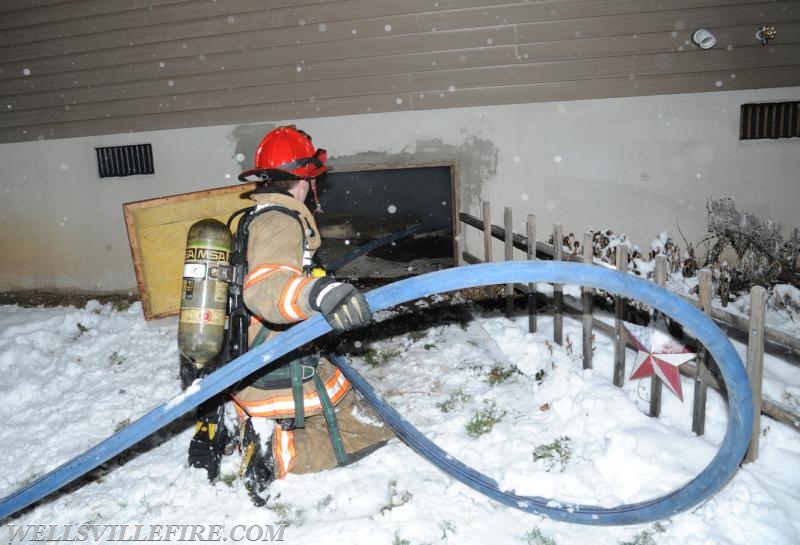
pixel 512 404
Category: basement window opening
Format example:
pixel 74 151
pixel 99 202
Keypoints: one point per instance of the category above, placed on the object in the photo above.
pixel 770 120
pixel 120 161
pixel 368 208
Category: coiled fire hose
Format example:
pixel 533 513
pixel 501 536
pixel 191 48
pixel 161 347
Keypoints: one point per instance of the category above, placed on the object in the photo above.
pixel 710 480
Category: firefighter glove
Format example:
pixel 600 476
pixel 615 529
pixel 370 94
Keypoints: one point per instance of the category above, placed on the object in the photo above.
pixel 342 305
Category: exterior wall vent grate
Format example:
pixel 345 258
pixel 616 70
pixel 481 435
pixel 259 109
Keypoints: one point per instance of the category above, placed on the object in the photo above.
pixel 125 160
pixel 770 120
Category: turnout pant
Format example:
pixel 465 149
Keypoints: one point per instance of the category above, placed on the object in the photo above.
pixel 310 448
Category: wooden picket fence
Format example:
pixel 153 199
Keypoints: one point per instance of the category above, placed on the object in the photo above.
pixel 758 338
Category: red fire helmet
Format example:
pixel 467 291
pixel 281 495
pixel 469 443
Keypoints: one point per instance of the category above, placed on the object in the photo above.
pixel 287 153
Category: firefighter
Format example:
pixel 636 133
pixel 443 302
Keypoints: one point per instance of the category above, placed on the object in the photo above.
pixel 300 415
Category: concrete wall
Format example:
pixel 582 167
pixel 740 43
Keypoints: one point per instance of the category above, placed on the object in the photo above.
pixel 634 165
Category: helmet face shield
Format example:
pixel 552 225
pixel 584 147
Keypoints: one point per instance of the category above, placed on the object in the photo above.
pixel 319 159
pixel 287 153
pixel 311 166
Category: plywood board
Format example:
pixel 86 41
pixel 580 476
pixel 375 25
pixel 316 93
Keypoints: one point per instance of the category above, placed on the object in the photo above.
pixel 157 231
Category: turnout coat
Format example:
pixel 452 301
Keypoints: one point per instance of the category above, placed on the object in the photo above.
pixel 277 288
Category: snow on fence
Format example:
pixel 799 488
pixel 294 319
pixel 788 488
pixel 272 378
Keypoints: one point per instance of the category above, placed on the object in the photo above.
pixel 759 338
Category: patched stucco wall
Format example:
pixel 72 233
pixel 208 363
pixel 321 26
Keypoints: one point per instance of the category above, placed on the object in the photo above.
pixel 634 165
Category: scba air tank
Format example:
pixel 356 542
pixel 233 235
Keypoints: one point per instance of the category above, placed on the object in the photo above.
pixel 204 298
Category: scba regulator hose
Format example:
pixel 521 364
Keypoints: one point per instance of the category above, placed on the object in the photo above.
pixel 709 481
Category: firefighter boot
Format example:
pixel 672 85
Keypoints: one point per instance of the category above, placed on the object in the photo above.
pixel 210 438
pixel 257 464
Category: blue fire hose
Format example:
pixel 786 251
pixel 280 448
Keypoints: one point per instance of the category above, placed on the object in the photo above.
pixel 708 482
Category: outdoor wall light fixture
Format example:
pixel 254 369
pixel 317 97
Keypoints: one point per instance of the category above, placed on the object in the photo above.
pixel 704 39
pixel 766 33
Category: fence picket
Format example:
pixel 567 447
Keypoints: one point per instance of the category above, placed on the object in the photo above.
pixel 586 300
pixel 619 309
pixel 660 277
pixel 755 363
pixel 558 289
pixel 487 241
pixel 531 232
pixel 701 370
pixel 508 223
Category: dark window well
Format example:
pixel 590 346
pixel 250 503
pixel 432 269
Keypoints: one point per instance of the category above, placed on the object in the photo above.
pixel 367 207
pixel 770 120
pixel 125 160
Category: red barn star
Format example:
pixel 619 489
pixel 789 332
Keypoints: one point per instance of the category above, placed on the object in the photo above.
pixel 659 354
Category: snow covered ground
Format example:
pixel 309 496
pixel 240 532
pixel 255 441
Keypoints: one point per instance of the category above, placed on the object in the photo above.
pixel 71 377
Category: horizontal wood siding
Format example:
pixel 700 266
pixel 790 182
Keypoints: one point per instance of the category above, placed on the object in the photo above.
pixel 84 67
